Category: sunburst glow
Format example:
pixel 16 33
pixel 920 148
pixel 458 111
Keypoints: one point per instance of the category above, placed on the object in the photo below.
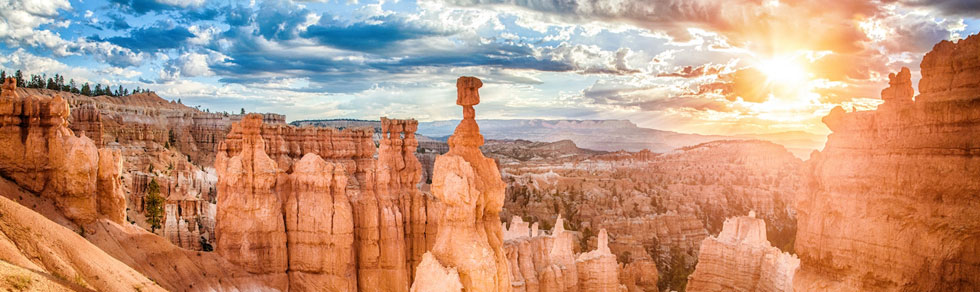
pixel 784 71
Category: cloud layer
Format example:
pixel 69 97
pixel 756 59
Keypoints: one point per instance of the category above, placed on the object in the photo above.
pixel 679 65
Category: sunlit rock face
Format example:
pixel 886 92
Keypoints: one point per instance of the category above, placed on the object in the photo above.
pixel 162 141
pixel 313 210
pixel 892 203
pixel 470 237
pixel 40 154
pixel 741 259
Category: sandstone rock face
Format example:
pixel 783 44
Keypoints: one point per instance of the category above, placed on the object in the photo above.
pixel 334 218
pixel 598 269
pixel 470 238
pixel 319 229
pixel 741 259
pixel 546 262
pixel 891 203
pixel 435 278
pixel 30 241
pixel 250 229
pixel 168 142
pixel 40 153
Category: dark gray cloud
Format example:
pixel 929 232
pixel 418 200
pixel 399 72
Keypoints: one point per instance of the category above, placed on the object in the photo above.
pixel 142 6
pixel 152 38
pixel 375 33
pixel 950 7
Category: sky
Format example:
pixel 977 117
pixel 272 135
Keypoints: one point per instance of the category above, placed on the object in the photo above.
pixel 701 66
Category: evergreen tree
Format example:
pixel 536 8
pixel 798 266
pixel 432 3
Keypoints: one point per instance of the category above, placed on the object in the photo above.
pixel 154 204
pixel 86 90
pixel 71 86
pixel 20 78
pixel 3 75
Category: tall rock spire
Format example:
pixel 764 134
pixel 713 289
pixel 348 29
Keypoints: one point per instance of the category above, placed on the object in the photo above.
pixel 470 237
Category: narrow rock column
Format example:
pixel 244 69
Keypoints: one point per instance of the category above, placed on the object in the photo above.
pixel 470 237
pixel 250 230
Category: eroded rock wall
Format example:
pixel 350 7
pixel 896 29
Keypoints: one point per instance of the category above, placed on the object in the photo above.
pixel 41 154
pixel 367 213
pixel 741 259
pixel 892 203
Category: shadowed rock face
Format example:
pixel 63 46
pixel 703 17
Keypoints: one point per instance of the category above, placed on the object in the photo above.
pixel 892 203
pixel 741 259
pixel 40 153
pixel 313 210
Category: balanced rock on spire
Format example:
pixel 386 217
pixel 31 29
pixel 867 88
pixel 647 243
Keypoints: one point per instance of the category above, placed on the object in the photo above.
pixel 470 237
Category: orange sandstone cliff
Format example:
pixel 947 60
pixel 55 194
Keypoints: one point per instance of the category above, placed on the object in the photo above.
pixel 892 203
pixel 312 209
pixel 40 153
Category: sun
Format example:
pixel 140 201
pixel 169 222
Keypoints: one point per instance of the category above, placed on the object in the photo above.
pixel 783 71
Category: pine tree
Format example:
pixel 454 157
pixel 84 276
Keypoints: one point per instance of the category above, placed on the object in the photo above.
pixel 20 78
pixel 154 205
pixel 86 89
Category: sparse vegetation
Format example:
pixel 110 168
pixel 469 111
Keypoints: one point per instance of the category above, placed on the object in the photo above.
pixel 57 82
pixel 18 282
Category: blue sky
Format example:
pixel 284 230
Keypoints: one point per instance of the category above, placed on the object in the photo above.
pixel 689 66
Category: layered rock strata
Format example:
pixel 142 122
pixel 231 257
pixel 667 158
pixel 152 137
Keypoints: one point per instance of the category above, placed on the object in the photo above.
pixel 892 203
pixel 741 259
pixel 40 153
pixel 318 188
pixel 470 237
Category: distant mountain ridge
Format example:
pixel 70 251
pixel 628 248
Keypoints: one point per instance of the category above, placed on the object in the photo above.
pixel 601 135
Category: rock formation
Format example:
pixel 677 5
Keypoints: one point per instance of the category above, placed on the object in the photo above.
pixel 470 238
pixel 250 229
pixel 436 278
pixel 741 259
pixel 40 153
pixel 546 262
pixel 321 189
pixel 891 203
pixel 659 207
pixel 598 270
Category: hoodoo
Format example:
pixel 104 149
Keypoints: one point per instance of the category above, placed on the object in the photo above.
pixel 470 238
